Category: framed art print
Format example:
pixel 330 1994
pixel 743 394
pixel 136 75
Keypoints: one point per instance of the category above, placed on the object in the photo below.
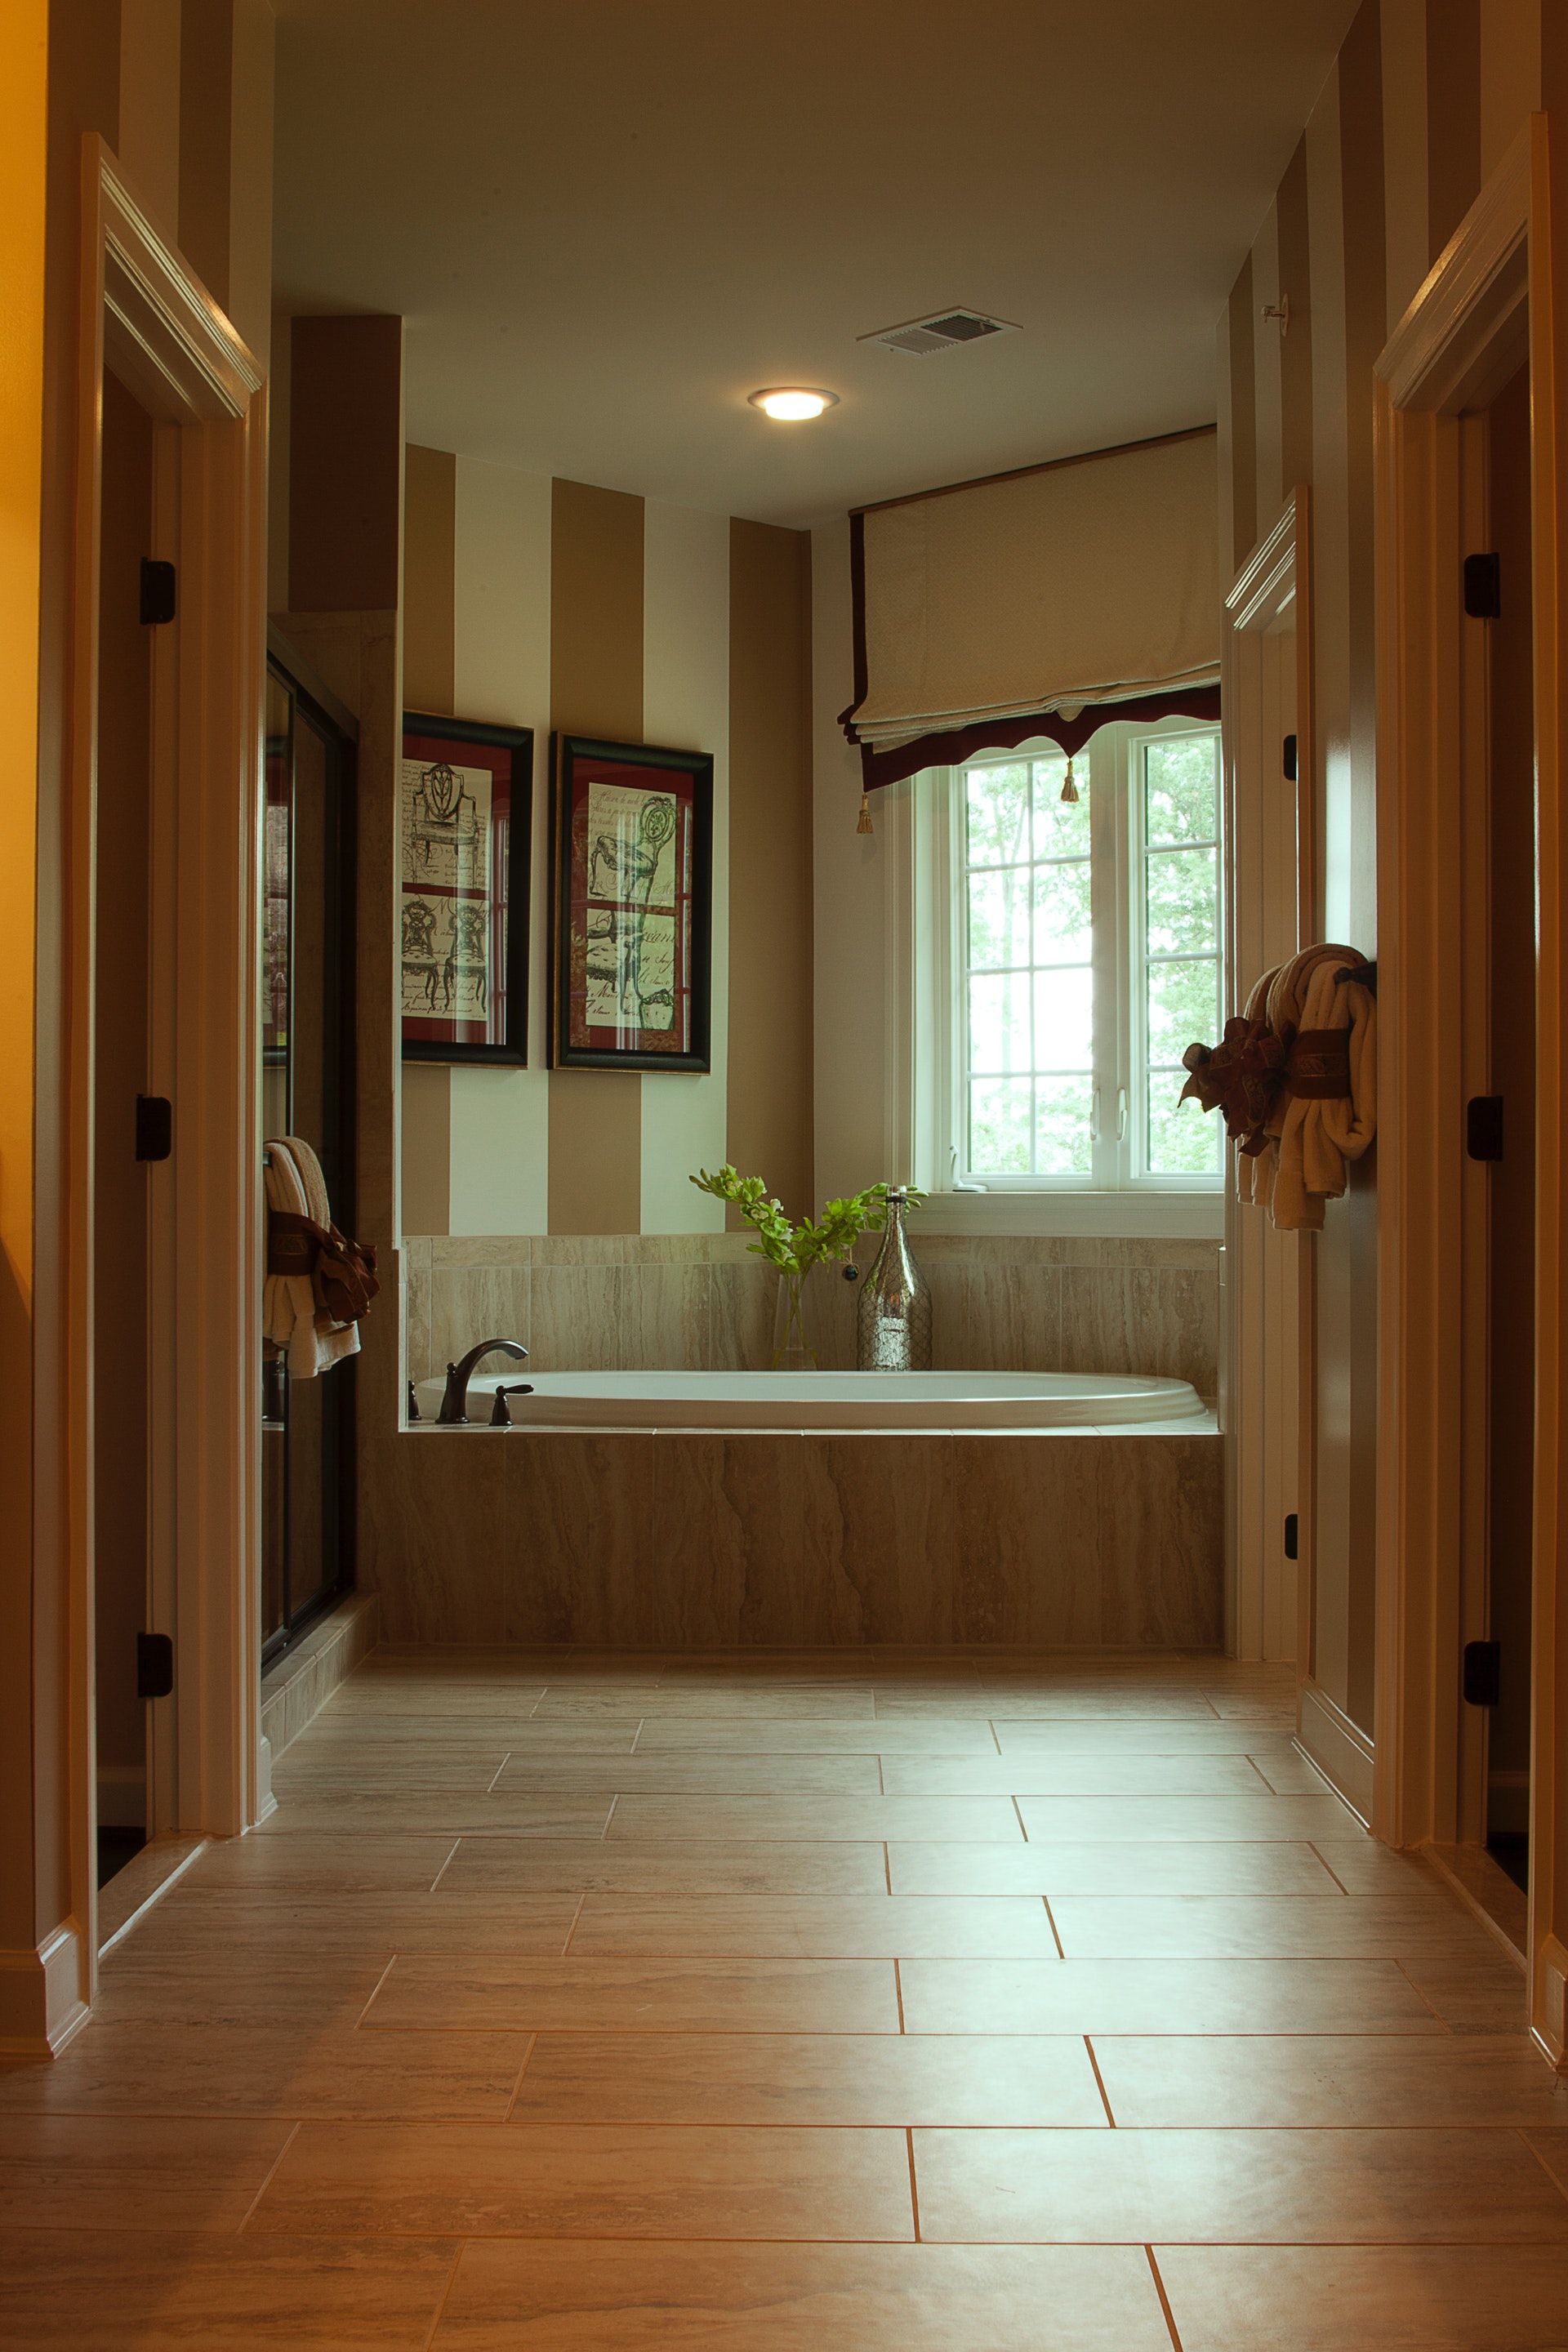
pixel 631 906
pixel 465 817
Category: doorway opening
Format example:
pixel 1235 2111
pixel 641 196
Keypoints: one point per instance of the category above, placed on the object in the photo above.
pixel 307 1011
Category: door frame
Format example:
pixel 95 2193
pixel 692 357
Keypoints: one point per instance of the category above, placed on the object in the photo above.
pixel 1485 307
pixel 145 314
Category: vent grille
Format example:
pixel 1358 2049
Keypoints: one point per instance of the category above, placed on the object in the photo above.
pixel 943 332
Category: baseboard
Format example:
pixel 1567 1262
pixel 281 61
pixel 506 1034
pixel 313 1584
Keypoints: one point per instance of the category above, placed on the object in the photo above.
pixel 41 2007
pixel 1487 1892
pixel 296 1690
pixel 148 1876
pixel 1340 1748
pixel 1551 2029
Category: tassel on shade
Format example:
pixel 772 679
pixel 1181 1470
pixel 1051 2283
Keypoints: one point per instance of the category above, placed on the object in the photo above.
pixel 865 824
pixel 1070 789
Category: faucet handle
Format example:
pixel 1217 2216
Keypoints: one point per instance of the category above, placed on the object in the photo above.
pixel 500 1413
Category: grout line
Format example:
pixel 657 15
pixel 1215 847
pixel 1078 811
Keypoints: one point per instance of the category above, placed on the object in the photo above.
pixel 532 2040
pixel 440 2309
pixel 572 1930
pixel 1051 1924
pixel 295 2130
pixel 1333 1874
pixel 899 1989
pixel 881 1779
pixel 441 1874
pixel 991 1728
pixel 1024 1833
pixel 609 1817
pixel 1263 1776
pixel 1099 2083
pixel 888 1865
pixel 636 1734
pixel 1165 2299
pixel 1523 2132
pixel 914 2190
pixel 500 1767
pixel 374 1991
pixel 1416 1989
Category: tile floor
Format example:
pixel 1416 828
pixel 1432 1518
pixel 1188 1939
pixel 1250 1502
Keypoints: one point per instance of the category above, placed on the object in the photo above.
pixel 580 2003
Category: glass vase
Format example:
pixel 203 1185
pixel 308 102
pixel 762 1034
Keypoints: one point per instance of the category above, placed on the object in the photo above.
pixel 795 1333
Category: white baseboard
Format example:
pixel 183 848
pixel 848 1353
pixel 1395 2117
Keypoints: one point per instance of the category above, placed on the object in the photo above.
pixel 41 2007
pixel 1339 1748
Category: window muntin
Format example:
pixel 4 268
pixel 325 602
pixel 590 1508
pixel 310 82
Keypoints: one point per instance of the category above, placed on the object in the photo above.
pixel 1087 956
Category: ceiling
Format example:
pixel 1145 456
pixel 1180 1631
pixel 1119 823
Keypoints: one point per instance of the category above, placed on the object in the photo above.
pixel 606 221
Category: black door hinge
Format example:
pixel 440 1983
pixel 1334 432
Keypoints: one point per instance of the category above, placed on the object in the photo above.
pixel 154 1126
pixel 154 1665
pixel 1483 1127
pixel 1288 756
pixel 1292 1536
pixel 157 593
pixel 1483 587
pixel 1483 1673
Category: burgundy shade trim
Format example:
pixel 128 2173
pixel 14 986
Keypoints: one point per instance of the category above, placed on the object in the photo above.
pixel 1201 702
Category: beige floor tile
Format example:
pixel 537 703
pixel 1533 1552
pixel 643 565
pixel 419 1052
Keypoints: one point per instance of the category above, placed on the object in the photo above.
pixel 510 2298
pixel 1365 1867
pixel 1482 1992
pixel 865 1926
pixel 1113 1736
pixel 361 1928
pixel 1181 2081
pixel 455 1812
pixel 393 1864
pixel 1246 1709
pixel 123 2172
pixel 742 1995
pixel 555 2180
pixel 1147 1818
pixel 668 1771
pixel 1367 2299
pixel 301 1775
pixel 156 2290
pixel 1190 1867
pixel 1039 1775
pixel 233 1988
pixel 1208 2187
pixel 770 1819
pixel 895 2079
pixel 1160 1997
pixel 829 1702
pixel 1286 1770
pixel 1145 1705
pixel 287 2069
pixel 516 1734
pixel 771 1735
pixel 498 1865
pixel 1190 1926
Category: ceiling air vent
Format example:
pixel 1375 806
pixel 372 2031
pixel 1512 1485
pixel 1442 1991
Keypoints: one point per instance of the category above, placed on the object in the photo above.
pixel 943 332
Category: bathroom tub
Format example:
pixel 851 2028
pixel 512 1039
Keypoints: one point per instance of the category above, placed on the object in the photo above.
pixel 835 1401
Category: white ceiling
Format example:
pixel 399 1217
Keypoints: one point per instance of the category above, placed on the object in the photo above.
pixel 608 221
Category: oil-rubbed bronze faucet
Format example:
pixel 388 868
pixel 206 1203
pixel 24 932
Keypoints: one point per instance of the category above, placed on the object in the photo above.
pixel 455 1403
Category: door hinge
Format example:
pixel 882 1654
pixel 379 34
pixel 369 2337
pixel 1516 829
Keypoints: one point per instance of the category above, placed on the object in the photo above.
pixel 1483 1127
pixel 1483 587
pixel 1483 1673
pixel 154 1126
pixel 1292 1536
pixel 157 593
pixel 1288 753
pixel 154 1665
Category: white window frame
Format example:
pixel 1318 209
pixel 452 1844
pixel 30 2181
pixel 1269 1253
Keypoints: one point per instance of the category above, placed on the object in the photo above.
pixel 921 821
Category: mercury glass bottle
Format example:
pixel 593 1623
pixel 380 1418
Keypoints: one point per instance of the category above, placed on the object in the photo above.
pixel 894 1328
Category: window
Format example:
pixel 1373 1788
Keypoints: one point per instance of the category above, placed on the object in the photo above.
pixel 1075 948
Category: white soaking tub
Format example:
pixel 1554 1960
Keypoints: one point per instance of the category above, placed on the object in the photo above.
pixel 823 1399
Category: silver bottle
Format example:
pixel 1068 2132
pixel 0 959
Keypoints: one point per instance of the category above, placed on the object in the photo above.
pixel 894 1322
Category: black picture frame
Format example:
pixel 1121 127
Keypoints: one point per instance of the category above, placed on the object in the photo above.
pixel 434 1032
pixel 588 886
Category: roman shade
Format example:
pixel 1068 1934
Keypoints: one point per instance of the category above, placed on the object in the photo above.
pixel 1031 603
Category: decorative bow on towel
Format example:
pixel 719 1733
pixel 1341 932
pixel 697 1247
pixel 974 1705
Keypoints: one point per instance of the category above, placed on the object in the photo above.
pixel 317 1282
pixel 341 1272
pixel 1241 1078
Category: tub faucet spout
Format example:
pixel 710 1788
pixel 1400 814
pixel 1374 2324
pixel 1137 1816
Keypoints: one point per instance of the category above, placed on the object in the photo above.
pixel 455 1403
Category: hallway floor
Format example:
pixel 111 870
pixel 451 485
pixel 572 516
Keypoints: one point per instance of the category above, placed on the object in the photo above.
pixel 771 2003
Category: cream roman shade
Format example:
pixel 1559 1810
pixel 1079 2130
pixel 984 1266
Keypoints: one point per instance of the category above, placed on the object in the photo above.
pixel 1053 591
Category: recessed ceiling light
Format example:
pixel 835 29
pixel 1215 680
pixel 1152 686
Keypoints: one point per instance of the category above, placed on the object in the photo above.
pixel 793 404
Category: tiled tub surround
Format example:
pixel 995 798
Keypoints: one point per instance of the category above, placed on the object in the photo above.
pixel 696 1302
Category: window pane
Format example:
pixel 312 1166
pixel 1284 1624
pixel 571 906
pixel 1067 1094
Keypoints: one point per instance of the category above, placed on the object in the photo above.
pixel 1182 790
pixel 1064 1019
pixel 1183 1007
pixel 999 918
pixel 1061 827
pixel 1061 914
pixel 999 1024
pixel 998 814
pixel 1063 1145
pixel 1183 901
pixel 999 1117
pixel 1183 1140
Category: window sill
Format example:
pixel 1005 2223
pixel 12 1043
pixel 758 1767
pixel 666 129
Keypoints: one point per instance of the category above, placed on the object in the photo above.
pixel 1170 1216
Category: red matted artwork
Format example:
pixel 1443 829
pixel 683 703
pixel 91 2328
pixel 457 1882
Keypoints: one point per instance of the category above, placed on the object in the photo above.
pixel 632 906
pixel 466 800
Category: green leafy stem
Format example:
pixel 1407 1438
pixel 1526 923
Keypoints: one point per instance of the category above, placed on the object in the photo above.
pixel 795 1249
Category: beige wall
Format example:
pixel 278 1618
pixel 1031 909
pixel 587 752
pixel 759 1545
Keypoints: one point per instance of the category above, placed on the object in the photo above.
pixel 562 605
